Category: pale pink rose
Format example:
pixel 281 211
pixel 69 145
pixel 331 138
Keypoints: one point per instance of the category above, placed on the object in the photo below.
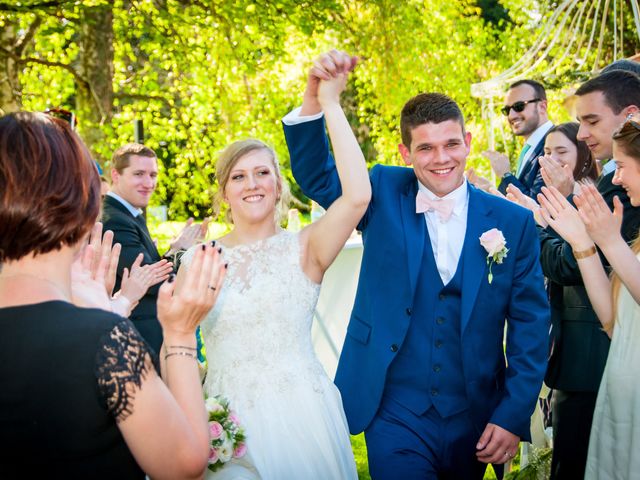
pixel 240 450
pixel 213 456
pixel 215 430
pixel 234 418
pixel 493 241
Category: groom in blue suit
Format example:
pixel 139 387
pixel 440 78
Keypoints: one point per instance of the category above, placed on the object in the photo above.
pixel 423 369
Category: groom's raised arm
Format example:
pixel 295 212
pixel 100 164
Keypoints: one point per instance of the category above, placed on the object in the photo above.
pixel 312 164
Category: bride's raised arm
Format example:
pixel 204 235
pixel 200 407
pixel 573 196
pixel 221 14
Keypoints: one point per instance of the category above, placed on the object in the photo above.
pixel 325 238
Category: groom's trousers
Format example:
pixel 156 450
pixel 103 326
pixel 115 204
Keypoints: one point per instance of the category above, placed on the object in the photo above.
pixel 401 444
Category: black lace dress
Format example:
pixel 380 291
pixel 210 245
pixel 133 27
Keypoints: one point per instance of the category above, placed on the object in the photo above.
pixel 67 377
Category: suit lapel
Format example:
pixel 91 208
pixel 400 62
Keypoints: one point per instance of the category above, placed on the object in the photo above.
pixel 140 223
pixel 415 232
pixel 474 256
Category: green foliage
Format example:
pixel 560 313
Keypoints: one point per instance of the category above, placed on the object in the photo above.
pixel 201 74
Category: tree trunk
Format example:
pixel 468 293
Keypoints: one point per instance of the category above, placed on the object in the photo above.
pixel 94 100
pixel 10 88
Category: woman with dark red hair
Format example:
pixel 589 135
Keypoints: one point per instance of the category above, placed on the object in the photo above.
pixel 82 395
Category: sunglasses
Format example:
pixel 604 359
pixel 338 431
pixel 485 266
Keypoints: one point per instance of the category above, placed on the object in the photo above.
pixel 63 114
pixel 518 106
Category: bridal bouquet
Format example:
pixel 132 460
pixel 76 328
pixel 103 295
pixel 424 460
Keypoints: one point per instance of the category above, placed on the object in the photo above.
pixel 227 437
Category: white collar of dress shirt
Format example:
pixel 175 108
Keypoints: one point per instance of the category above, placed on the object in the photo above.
pixel 539 133
pixel 133 210
pixel 460 196
pixel 608 167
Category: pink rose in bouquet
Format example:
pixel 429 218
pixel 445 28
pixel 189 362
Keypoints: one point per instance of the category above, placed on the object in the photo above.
pixel 240 451
pixel 227 437
pixel 215 430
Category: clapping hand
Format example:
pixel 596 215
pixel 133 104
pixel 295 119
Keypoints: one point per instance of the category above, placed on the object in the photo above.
pixel 499 162
pixel 556 174
pixel 180 313
pixel 87 288
pixel 602 225
pixel 191 234
pixel 478 181
pixel 516 196
pixel 564 218
pixel 136 282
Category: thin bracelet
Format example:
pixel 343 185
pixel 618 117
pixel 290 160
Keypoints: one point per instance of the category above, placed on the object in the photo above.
pixel 194 349
pixel 182 354
pixel 579 255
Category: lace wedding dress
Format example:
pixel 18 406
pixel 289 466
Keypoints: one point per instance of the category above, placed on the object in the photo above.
pixel 260 356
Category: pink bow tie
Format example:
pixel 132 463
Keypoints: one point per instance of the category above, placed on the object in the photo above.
pixel 443 207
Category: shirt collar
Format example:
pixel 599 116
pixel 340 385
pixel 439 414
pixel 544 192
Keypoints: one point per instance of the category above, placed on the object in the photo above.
pixel 608 167
pixel 460 196
pixel 539 133
pixel 133 210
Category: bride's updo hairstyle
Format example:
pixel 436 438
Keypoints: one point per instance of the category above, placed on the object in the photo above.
pixel 228 159
pixel 49 186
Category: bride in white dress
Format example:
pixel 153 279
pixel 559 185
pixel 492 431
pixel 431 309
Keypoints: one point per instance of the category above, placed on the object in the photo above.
pixel 258 336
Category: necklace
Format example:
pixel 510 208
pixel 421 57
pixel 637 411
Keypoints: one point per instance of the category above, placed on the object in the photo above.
pixel 55 286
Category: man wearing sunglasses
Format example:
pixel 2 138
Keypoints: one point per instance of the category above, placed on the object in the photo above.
pixel 526 111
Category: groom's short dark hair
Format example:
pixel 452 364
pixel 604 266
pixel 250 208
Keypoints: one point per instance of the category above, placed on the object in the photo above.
pixel 427 108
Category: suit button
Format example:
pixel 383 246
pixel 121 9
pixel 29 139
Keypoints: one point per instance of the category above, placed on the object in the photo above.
pixel 439 320
pixel 438 343
pixel 434 392
pixel 436 368
pixel 394 348
pixel 409 311
pixel 442 296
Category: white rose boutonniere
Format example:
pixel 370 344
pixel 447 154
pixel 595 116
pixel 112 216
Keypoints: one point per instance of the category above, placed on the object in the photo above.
pixel 496 246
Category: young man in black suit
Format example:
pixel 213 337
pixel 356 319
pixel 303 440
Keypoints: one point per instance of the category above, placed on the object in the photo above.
pixel 134 175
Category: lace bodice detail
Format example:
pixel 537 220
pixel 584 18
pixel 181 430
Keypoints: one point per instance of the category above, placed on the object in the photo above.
pixel 262 320
pixel 122 362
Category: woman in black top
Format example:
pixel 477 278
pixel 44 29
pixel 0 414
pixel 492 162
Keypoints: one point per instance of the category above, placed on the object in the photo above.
pixel 80 391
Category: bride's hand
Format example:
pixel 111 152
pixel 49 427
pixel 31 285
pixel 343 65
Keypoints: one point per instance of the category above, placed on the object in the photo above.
pixel 330 90
pixel 180 313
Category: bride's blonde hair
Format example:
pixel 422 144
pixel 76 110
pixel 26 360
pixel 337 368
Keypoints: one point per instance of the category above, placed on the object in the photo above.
pixel 229 158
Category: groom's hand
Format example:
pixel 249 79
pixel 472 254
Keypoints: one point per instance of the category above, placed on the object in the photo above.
pixel 325 67
pixel 496 445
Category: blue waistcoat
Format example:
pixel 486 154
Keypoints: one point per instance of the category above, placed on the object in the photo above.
pixel 428 368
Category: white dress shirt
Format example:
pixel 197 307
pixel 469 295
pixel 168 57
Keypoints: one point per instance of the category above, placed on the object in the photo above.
pixel 132 210
pixel 447 238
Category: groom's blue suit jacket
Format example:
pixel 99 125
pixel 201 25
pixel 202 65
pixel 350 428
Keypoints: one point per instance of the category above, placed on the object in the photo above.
pixel 498 391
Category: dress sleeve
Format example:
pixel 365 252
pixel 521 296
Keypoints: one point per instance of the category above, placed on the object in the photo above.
pixel 123 361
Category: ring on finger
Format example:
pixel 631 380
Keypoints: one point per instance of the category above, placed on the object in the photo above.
pixel 212 288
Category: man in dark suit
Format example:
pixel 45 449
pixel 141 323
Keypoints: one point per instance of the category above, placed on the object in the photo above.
pixel 134 174
pixel 526 111
pixel 579 345
pixel 422 370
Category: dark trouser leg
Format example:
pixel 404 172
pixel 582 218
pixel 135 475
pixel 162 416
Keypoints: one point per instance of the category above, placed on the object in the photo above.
pixel 572 417
pixel 403 445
